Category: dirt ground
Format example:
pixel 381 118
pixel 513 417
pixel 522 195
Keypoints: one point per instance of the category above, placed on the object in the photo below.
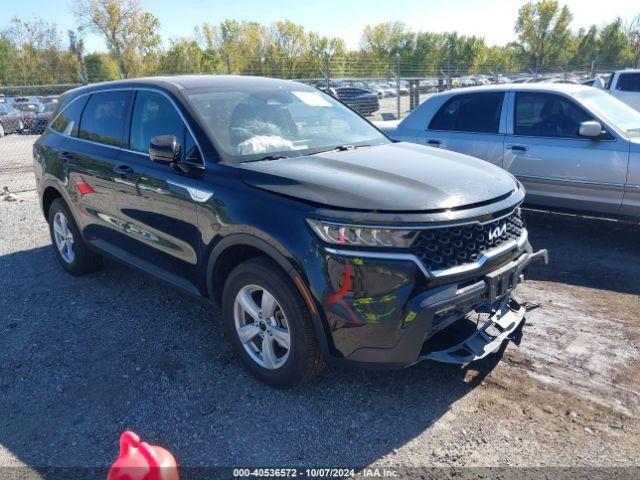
pixel 81 359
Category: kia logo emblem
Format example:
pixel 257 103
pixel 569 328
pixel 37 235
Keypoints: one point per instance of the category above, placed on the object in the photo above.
pixel 497 232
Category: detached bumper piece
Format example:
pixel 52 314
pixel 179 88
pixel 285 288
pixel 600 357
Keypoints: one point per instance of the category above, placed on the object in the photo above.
pixel 487 339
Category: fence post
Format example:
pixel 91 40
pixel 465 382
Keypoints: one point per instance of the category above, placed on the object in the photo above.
pixel 398 86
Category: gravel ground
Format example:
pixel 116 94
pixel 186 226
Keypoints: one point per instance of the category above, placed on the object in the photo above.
pixel 82 359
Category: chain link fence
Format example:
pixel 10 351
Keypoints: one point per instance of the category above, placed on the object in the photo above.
pixel 379 90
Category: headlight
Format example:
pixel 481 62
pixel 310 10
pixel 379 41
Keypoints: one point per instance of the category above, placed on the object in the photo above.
pixel 354 236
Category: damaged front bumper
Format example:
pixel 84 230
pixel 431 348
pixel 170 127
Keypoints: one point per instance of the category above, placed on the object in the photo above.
pixel 383 316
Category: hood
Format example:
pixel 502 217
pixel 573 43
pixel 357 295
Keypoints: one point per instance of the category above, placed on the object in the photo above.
pixel 396 177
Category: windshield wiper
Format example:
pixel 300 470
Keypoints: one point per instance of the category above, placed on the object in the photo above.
pixel 266 157
pixel 339 148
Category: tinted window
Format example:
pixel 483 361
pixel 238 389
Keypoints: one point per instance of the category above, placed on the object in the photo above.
pixel 69 119
pixel 478 113
pixel 104 117
pixel 629 82
pixel 547 115
pixel 153 115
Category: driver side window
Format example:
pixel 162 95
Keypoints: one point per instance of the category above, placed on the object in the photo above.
pixel 154 115
pixel 547 115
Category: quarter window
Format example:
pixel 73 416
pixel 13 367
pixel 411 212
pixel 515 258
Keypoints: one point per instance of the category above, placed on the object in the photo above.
pixel 547 115
pixel 68 121
pixel 475 113
pixel 629 82
pixel 104 117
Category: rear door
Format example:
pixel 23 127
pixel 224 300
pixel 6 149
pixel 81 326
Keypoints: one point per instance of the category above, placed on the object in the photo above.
pixel 90 153
pixel 470 124
pixel 155 201
pixel 558 167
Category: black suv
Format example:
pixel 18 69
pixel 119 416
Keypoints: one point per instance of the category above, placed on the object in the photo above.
pixel 319 237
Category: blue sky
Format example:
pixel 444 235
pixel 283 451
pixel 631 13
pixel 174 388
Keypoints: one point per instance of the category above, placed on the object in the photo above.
pixel 491 19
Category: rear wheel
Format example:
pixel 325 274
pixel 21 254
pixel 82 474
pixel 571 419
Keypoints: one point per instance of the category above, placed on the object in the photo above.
pixel 68 246
pixel 269 325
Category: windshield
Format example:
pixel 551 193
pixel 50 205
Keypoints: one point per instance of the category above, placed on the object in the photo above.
pixel 617 113
pixel 249 125
pixel 29 107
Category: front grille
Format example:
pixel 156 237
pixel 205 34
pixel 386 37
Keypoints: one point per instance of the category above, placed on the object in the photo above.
pixel 448 247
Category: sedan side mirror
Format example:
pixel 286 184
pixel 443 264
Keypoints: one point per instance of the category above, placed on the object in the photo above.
pixel 591 129
pixel 165 149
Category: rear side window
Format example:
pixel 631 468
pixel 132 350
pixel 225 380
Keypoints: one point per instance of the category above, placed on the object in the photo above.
pixel 547 115
pixel 475 113
pixel 104 118
pixel 68 121
pixel 629 82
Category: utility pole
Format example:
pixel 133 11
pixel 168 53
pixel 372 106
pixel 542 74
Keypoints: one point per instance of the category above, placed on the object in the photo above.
pixel 398 85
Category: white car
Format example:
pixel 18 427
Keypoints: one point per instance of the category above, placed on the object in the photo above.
pixel 625 85
pixel 572 146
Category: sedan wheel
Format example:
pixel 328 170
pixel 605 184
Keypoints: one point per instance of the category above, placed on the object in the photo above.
pixel 63 237
pixel 262 327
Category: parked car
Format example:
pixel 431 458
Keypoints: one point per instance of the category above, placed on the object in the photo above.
pixel 625 86
pixel 320 238
pixel 29 110
pixel 10 120
pixel 572 146
pixel 42 117
pixel 361 100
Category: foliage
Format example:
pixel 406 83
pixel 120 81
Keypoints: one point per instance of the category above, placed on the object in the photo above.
pixel 32 51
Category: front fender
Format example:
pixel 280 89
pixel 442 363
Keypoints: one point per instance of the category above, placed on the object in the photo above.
pixel 287 262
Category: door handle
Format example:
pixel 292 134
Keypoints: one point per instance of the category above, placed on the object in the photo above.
pixel 123 170
pixel 517 148
pixel 65 156
pixel 433 142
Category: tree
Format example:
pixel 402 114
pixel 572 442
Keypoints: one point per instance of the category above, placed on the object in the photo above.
pixel 586 46
pixel 101 67
pixel 615 46
pixel 634 38
pixel 76 46
pixel 543 32
pixel 186 56
pixel 129 32
pixel 40 57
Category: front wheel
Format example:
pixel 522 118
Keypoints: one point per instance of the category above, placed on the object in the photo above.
pixel 269 325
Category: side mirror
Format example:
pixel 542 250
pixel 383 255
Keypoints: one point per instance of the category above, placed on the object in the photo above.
pixel 165 149
pixel 591 129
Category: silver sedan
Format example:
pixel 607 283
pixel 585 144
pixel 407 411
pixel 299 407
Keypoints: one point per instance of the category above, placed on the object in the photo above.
pixel 572 146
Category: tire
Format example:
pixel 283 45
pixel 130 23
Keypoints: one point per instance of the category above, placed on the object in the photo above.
pixel 303 359
pixel 2 132
pixel 75 257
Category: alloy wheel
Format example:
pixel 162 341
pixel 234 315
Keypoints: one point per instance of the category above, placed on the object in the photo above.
pixel 262 327
pixel 63 237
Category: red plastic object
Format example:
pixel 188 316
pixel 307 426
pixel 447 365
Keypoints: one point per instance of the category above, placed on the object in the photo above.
pixel 141 461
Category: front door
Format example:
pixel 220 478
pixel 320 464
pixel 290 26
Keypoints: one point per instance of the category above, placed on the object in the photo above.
pixel 155 201
pixel 557 166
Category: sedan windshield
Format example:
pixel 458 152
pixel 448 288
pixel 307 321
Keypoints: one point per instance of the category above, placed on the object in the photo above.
pixel 617 113
pixel 250 125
